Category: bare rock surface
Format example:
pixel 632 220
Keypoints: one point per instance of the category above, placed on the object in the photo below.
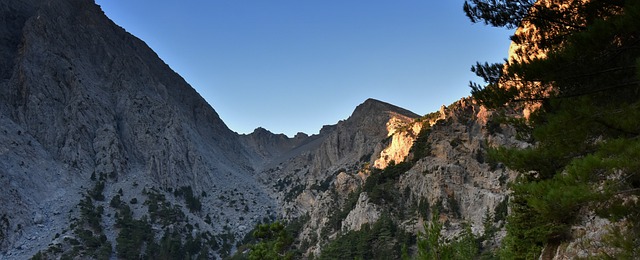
pixel 79 98
pixel 364 212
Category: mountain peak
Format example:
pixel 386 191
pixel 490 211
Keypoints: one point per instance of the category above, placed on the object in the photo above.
pixel 373 106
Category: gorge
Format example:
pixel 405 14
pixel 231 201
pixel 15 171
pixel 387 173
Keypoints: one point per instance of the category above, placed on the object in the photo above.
pixel 107 153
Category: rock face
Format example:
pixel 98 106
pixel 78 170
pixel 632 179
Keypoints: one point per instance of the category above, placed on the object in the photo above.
pixel 81 97
pixel 455 176
pixel 364 212
pixel 401 142
pixel 312 165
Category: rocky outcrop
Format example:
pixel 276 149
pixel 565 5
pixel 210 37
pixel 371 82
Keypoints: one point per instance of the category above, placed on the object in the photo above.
pixel 402 136
pixel 358 139
pixel 364 212
pixel 588 238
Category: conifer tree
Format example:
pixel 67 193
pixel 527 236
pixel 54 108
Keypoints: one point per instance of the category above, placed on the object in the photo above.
pixel 586 132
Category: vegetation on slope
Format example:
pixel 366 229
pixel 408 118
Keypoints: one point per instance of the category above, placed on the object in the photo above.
pixel 380 240
pixel 163 233
pixel 387 237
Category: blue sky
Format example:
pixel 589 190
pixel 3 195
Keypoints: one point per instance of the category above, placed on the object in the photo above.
pixel 294 65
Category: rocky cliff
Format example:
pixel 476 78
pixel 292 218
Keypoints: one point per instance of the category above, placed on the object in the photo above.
pixel 83 103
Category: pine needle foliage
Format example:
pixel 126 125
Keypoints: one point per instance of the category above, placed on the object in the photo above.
pixel 586 131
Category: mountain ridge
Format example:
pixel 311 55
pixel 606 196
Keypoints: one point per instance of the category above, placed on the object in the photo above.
pixel 374 106
pixel 87 104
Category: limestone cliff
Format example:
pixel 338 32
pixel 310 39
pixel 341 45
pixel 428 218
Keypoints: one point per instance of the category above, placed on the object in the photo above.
pixel 402 136
pixel 456 177
pixel 82 103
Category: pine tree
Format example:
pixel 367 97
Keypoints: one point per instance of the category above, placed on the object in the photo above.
pixel 586 130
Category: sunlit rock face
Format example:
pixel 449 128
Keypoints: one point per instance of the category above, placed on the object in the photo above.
pixel 402 136
pixel 529 45
pixel 531 36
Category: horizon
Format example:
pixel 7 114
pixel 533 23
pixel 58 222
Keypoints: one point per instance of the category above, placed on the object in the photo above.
pixel 292 67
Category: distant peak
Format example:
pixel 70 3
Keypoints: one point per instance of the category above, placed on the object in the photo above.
pixel 261 130
pixel 301 135
pixel 374 106
pixel 369 100
pixel 375 102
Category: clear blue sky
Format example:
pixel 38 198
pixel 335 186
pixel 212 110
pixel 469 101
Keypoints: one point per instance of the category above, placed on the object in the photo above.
pixel 292 66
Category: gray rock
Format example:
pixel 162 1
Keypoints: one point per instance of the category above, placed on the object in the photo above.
pixel 38 218
pixel 79 96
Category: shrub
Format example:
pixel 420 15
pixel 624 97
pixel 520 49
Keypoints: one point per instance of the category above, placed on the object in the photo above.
pixel 96 193
pixel 380 240
pixel 193 203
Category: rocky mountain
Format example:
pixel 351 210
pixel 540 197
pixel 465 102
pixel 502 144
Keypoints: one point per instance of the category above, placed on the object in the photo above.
pixel 85 104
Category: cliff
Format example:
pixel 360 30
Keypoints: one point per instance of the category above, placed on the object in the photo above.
pixel 83 103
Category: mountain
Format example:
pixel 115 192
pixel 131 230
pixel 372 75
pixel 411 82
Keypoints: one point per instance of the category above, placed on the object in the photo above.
pixel 83 103
pixel 443 170
pixel 347 145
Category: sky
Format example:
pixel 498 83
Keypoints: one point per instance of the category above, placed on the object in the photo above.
pixel 295 65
